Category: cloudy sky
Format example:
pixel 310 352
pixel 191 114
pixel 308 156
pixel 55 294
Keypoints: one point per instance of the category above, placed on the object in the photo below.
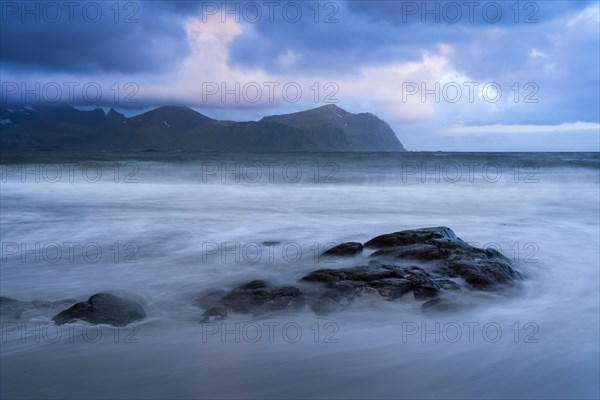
pixel 464 75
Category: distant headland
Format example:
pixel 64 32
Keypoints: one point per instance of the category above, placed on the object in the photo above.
pixel 173 128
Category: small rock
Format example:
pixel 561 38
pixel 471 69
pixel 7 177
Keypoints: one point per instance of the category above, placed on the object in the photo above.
pixel 408 237
pixel 102 308
pixel 390 281
pixel 416 251
pixel 255 297
pixel 344 250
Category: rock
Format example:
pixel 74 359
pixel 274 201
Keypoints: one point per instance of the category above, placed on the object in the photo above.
pixel 7 300
pixel 331 302
pixel 416 251
pixel 255 297
pixel 432 265
pixel 408 237
pixel 439 304
pixel 448 284
pixel 215 313
pixel 451 257
pixel 210 299
pixel 286 298
pixel 446 264
pixel 344 249
pixel 482 274
pixel 102 308
pixel 390 281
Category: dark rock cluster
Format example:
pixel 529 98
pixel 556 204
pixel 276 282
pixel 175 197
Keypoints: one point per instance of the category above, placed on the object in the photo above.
pixel 428 264
pixel 446 264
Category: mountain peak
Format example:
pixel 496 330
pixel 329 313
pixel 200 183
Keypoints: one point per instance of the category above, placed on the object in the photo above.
pixel 113 115
pixel 329 114
pixel 183 114
pixel 330 107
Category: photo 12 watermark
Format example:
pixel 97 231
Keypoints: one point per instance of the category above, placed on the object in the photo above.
pixel 72 12
pixel 254 12
pixel 71 172
pixel 261 172
pixel 290 252
pixel 269 92
pixel 70 252
pixel 39 332
pixel 470 92
pixel 317 331
pixel 469 332
pixel 468 172
pixel 54 92
pixel 453 12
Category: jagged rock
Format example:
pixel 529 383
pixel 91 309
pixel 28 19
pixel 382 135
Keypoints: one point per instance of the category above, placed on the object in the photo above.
pixel 446 264
pixel 482 274
pixel 416 251
pixel 102 308
pixel 390 281
pixel 408 237
pixel 448 256
pixel 445 267
pixel 344 249
pixel 255 297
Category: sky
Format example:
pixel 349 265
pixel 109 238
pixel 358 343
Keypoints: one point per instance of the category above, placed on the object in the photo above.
pixel 446 75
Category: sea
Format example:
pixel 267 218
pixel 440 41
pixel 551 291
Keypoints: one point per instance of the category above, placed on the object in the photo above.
pixel 164 229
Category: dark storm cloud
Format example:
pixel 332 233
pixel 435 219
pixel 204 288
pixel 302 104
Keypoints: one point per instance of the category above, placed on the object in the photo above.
pixel 489 47
pixel 348 35
pixel 91 37
pixel 335 37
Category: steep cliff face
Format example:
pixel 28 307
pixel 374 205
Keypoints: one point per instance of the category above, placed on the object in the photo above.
pixel 355 132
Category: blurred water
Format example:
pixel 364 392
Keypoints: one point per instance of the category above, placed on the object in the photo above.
pixel 152 227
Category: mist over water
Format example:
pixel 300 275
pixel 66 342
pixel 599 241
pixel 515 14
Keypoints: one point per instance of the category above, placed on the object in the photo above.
pixel 165 229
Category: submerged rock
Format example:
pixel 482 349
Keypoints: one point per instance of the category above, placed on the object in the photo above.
pixel 344 250
pixel 441 305
pixel 102 308
pixel 255 297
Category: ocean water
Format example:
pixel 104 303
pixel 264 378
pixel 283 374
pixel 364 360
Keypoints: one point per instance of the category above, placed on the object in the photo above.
pixel 164 229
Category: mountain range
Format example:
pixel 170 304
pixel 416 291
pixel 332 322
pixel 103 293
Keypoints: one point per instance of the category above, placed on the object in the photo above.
pixel 173 128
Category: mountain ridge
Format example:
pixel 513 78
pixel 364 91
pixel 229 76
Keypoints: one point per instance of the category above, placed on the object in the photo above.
pixel 327 128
